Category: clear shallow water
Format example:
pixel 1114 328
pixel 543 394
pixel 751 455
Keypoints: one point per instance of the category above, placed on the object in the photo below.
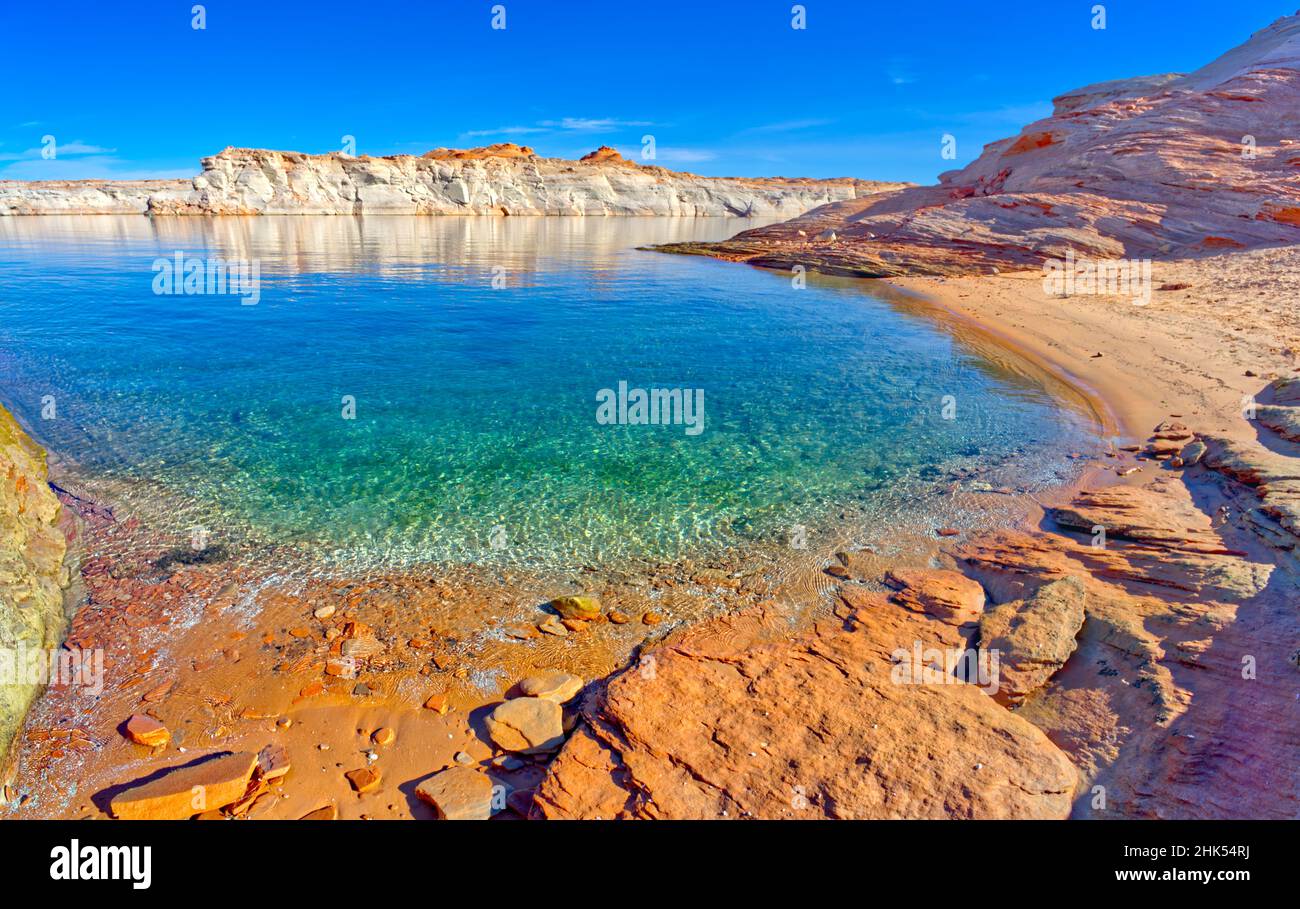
pixel 475 406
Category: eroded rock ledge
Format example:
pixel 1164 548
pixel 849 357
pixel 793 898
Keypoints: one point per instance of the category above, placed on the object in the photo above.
pixel 501 179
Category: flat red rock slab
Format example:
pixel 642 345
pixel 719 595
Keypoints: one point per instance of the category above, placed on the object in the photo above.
pixel 145 730
pixel 185 791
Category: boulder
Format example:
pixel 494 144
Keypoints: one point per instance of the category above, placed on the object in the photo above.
pixel 182 792
pixel 1032 638
pixel 553 685
pixel 527 725
pixel 145 730
pixel 583 608
pixel 272 762
pixel 364 779
pixel 458 794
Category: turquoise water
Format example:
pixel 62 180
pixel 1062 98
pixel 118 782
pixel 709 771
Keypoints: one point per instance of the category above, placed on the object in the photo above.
pixel 475 435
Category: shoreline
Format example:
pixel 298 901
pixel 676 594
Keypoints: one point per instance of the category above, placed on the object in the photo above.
pixel 1013 308
pixel 113 546
pixel 1109 420
pixel 326 714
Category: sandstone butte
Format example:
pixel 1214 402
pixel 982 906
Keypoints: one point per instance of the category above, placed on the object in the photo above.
pixel 502 179
pixel 1155 166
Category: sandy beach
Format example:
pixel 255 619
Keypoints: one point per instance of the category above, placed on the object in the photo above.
pixel 1210 340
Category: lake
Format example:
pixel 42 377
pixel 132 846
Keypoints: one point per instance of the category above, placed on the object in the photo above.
pixel 385 392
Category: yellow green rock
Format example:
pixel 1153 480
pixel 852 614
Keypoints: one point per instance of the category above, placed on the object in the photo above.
pixel 32 572
pixel 584 608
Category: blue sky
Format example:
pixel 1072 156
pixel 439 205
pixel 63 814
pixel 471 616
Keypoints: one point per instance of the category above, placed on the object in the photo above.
pixel 867 89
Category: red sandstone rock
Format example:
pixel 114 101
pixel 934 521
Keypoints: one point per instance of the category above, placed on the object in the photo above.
pixel 1033 637
pixel 551 684
pixel 145 730
pixel 187 790
pixel 949 596
pixel 364 779
pixel 810 726
pixel 272 762
pixel 383 736
pixel 458 794
pixel 527 725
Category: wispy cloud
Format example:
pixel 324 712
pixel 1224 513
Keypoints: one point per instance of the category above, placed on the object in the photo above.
pixel 683 155
pixel 786 126
pixel 900 71
pixel 562 125
pixel 506 131
pixel 594 125
pixel 80 160
pixel 71 149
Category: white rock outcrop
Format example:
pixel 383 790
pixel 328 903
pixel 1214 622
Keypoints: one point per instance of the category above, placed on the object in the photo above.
pixel 499 180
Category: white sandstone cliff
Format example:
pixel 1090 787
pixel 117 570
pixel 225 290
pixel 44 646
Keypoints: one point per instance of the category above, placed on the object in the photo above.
pixel 499 180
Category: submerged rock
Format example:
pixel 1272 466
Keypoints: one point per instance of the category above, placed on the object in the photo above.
pixel 145 730
pixel 583 608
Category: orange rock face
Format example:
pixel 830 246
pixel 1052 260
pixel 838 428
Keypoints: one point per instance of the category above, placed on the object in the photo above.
pixel 949 596
pixel 499 150
pixel 826 724
pixel 182 792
